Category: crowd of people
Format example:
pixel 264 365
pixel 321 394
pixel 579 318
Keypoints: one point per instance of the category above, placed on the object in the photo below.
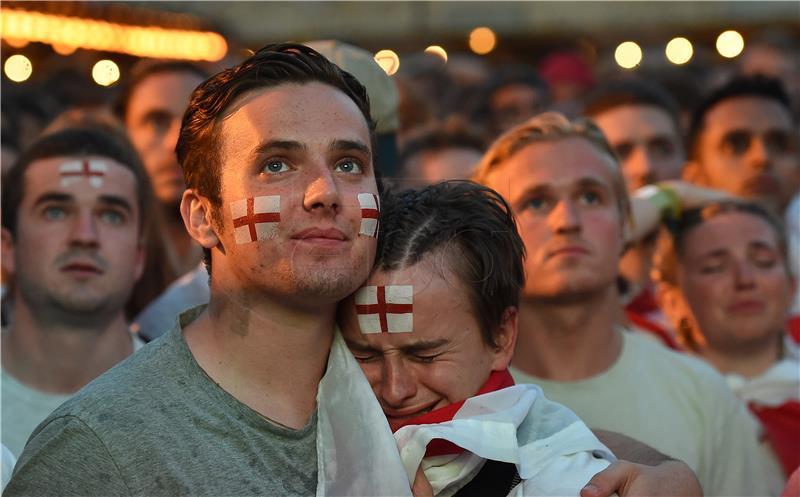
pixel 301 276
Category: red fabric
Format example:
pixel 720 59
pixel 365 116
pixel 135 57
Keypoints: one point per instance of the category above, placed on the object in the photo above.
pixel 782 426
pixel 498 380
pixel 648 326
pixel 644 303
pixel 794 328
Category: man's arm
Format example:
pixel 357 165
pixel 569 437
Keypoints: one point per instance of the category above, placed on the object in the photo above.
pixel 643 471
pixel 65 457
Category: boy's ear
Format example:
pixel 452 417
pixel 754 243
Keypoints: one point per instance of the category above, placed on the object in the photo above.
pixel 197 217
pixel 505 338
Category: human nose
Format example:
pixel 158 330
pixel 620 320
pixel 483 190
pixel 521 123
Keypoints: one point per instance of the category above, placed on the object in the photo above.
pixel 84 230
pixel 322 192
pixel 639 170
pixel 564 218
pixel 758 154
pixel 399 384
pixel 744 276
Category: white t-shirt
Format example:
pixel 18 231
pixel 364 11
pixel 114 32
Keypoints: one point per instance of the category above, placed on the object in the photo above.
pixel 23 408
pixel 679 406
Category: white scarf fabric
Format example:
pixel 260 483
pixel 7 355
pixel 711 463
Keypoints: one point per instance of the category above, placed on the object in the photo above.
pixel 555 453
pixel 356 453
pixel 779 384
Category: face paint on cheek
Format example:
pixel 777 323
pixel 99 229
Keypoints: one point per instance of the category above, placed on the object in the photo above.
pixel 76 170
pixel 385 309
pixel 370 208
pixel 256 218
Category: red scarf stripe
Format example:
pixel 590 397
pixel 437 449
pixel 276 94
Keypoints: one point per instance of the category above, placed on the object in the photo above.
pixel 498 380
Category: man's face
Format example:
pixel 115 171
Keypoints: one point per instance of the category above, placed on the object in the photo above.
pixel 734 281
pixel 748 147
pixel 77 246
pixel 646 141
pixel 563 197
pixel 305 149
pixel 513 104
pixel 435 166
pixel 153 120
pixel 440 362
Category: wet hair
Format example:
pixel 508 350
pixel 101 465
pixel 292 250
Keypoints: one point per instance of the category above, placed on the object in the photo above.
pixel 552 126
pixel 473 228
pixel 740 86
pixel 143 70
pixel 275 64
pixel 631 92
pixel 88 139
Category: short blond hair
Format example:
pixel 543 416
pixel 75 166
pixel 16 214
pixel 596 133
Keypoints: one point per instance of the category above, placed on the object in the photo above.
pixel 553 126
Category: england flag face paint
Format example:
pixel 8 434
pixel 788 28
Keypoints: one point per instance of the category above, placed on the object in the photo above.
pixel 93 171
pixel 385 309
pixel 370 208
pixel 256 218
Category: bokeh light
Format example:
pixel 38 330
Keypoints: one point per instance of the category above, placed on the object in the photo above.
pixel 730 44
pixel 18 68
pixel 679 51
pixel 105 72
pixel 388 60
pixel 437 51
pixel 482 40
pixel 628 55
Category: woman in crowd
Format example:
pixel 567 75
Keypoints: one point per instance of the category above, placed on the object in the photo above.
pixel 724 282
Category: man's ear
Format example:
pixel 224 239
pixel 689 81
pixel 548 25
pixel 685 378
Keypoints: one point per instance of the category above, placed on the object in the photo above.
pixel 505 338
pixel 197 217
pixel 7 244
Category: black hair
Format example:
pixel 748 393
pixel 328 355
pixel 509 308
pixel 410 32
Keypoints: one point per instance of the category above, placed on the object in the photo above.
pixel 475 228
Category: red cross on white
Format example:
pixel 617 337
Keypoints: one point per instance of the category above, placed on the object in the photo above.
pixel 385 309
pixel 370 208
pixel 75 170
pixel 256 218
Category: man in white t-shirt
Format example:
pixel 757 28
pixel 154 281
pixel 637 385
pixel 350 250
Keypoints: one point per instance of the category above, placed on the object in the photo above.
pixel 73 210
pixel 568 195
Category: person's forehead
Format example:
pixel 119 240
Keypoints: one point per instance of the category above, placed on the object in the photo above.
pixel 747 112
pixel 556 163
pixel 628 120
pixel 729 231
pixel 163 89
pixel 48 176
pixel 306 113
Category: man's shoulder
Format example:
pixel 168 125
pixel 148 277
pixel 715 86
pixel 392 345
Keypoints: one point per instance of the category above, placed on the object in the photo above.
pixel 669 363
pixel 128 387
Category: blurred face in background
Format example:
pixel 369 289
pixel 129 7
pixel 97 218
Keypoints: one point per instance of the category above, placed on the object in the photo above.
pixel 748 147
pixel 733 283
pixel 153 119
pixel 646 141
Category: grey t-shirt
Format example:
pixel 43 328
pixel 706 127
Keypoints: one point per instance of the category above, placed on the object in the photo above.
pixel 156 424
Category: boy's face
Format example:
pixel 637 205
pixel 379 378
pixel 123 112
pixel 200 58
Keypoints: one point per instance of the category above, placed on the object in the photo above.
pixel 440 360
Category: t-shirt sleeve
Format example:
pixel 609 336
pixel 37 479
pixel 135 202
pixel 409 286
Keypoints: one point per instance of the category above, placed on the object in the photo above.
pixel 65 457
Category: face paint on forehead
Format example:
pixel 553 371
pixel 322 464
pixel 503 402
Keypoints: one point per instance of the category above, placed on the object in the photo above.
pixel 76 170
pixel 385 309
pixel 370 208
pixel 256 218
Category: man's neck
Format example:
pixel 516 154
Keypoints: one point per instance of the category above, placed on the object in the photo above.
pixel 267 355
pixel 54 356
pixel 750 362
pixel 568 341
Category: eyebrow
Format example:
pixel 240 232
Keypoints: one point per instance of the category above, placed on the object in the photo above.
pixel 416 347
pixel 116 201
pixel 288 145
pixel 587 182
pixel 347 145
pixel 52 197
